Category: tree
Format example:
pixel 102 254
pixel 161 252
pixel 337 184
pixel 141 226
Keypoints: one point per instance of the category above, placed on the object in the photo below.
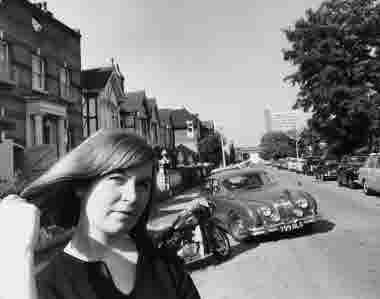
pixel 232 154
pixel 210 149
pixel 335 50
pixel 275 145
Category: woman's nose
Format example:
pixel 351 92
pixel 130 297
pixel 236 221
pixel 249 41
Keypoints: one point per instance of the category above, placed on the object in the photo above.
pixel 129 190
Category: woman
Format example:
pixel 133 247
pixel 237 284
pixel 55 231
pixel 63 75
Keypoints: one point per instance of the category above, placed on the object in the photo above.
pixel 104 187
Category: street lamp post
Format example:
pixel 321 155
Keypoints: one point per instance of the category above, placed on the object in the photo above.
pixel 223 154
pixel 221 144
pixel 297 145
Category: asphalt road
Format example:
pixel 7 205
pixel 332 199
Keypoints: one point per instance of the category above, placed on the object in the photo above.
pixel 340 258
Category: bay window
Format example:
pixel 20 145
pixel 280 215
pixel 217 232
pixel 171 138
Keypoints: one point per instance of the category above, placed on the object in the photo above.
pixel 64 82
pixel 90 116
pixel 4 57
pixel 38 73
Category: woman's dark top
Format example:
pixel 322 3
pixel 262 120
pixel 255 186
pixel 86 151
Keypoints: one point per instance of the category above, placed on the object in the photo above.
pixel 157 276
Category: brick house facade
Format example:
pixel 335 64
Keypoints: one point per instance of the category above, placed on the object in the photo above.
pixel 40 68
pixel 166 129
pixel 186 129
pixel 154 123
pixel 134 114
pixel 103 89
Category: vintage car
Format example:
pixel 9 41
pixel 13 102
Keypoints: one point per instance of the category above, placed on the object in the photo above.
pixel 253 202
pixel 369 174
pixel 310 165
pixel 326 170
pixel 348 170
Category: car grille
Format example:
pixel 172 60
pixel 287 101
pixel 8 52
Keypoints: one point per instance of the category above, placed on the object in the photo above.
pixel 287 211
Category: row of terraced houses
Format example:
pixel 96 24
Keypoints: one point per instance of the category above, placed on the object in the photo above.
pixel 46 98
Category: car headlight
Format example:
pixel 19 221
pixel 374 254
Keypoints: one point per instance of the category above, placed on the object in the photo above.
pixel 266 211
pixel 302 203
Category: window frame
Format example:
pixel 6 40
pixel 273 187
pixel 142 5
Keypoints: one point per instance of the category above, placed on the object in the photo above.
pixel 190 128
pixel 41 75
pixel 4 45
pixel 88 117
pixel 65 82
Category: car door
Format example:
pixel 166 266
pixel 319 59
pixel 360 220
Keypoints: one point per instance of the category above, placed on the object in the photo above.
pixel 370 175
pixel 376 174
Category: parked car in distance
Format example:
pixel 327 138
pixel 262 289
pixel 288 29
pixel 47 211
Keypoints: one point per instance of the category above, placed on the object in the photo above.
pixel 299 165
pixel 326 170
pixel 310 164
pixel 292 164
pixel 348 170
pixel 369 174
pixel 254 202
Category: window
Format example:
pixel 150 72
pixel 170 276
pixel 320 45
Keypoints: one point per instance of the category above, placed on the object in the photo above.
pixel 371 162
pixel 65 82
pixel 4 57
pixel 38 73
pixel 190 128
pixel 144 127
pixel 250 181
pixel 129 122
pixel 90 116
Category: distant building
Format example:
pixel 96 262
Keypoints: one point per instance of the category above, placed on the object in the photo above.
pixel 154 123
pixel 186 129
pixel 268 120
pixel 207 128
pixel 135 114
pixel 245 153
pixel 166 129
pixel 284 121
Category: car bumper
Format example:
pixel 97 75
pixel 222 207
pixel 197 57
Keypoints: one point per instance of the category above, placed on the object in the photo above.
pixel 290 225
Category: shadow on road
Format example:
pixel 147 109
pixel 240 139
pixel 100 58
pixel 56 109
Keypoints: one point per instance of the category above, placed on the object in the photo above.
pixel 323 226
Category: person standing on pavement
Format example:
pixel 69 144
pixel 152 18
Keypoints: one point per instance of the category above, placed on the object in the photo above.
pixel 104 188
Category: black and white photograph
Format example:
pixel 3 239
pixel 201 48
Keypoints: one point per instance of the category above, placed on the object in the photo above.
pixel 187 149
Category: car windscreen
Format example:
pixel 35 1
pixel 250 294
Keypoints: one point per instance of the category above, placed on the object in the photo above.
pixel 358 159
pixel 246 181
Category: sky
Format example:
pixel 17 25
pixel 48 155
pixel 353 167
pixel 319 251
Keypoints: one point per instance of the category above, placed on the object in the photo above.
pixel 220 59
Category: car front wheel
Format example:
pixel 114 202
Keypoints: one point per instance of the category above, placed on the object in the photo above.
pixel 366 189
pixel 351 183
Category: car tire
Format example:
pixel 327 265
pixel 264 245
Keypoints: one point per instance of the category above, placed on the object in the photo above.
pixel 222 244
pixel 366 189
pixel 350 183
pixel 234 230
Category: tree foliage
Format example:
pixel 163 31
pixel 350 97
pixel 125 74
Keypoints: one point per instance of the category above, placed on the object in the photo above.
pixel 275 145
pixel 210 149
pixel 335 50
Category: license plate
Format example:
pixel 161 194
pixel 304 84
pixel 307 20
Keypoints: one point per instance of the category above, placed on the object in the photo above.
pixel 291 226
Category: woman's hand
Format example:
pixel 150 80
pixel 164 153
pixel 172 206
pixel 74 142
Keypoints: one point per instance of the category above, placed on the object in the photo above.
pixel 19 227
pixel 19 230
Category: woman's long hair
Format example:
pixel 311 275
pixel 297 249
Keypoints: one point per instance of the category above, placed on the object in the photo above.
pixel 100 154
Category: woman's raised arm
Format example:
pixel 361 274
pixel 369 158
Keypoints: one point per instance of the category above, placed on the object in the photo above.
pixel 19 229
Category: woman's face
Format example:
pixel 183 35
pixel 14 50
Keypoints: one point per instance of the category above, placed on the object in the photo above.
pixel 115 202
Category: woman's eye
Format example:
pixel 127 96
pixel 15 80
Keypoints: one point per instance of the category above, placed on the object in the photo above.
pixel 117 178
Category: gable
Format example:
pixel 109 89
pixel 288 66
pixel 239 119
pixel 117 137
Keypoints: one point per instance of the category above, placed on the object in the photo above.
pixel 112 91
pixel 154 115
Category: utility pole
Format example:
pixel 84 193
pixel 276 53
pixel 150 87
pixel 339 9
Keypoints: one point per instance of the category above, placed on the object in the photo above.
pixel 221 144
pixel 223 154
